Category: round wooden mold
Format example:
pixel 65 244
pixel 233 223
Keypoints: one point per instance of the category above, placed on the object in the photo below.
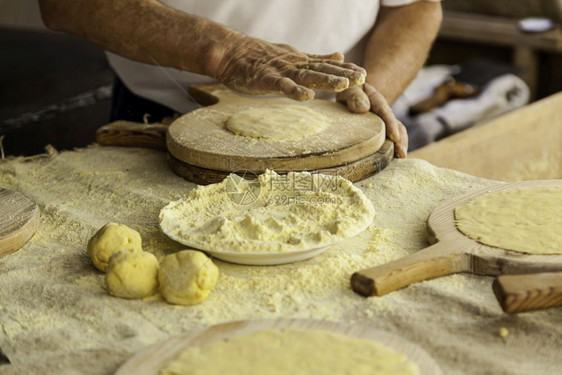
pixel 19 220
pixel 200 144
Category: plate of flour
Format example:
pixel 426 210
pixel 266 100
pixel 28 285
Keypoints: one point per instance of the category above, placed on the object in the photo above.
pixel 273 219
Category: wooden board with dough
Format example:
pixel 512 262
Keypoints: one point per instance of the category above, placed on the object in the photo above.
pixel 453 252
pixel 205 145
pixel 153 359
pixel 19 220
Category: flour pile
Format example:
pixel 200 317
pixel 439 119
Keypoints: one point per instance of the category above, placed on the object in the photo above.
pixel 275 213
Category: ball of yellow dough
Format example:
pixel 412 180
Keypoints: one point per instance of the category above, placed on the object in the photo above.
pixel 111 238
pixel 132 274
pixel 187 277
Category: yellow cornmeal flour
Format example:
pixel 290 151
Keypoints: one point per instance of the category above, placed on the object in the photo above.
pixel 276 213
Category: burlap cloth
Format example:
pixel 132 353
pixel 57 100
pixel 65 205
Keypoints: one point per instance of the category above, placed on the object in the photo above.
pixel 57 318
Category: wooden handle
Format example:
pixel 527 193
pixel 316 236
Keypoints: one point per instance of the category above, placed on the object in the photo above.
pixel 442 93
pixel 132 134
pixel 434 261
pixel 519 293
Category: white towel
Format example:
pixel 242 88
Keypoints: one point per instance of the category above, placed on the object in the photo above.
pixel 501 95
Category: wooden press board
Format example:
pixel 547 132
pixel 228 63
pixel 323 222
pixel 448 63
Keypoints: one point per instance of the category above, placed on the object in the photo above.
pixel 354 171
pixel 151 360
pixel 203 151
pixel 200 137
pixel 453 252
pixel 19 220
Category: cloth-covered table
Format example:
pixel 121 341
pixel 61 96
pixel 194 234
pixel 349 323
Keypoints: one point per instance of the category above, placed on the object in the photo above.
pixel 57 318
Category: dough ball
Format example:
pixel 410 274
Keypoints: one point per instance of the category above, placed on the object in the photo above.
pixel 187 277
pixel 132 274
pixel 111 238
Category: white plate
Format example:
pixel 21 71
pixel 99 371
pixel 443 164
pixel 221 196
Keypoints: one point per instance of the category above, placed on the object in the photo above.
pixel 266 259
pixel 261 258
pixel 255 259
pixel 297 253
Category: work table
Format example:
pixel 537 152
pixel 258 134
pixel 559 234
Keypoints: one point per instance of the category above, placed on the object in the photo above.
pixel 56 316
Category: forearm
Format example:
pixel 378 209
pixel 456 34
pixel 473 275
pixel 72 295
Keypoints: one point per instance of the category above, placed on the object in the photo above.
pixel 399 45
pixel 149 32
pixel 144 30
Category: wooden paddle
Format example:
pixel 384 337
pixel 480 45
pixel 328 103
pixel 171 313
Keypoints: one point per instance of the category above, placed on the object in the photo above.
pixel 151 360
pixel 453 252
pixel 19 220
pixel 520 293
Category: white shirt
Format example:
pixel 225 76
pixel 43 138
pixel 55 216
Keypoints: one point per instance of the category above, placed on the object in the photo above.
pixel 311 26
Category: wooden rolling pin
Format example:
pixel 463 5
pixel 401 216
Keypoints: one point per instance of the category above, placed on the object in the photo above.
pixel 520 293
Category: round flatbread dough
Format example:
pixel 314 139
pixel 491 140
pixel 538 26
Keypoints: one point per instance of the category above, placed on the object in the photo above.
pixel 527 220
pixel 111 238
pixel 291 351
pixel 275 213
pixel 187 277
pixel 132 274
pixel 277 122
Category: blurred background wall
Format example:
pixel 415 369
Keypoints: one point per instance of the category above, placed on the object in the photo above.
pixel 55 88
pixel 20 13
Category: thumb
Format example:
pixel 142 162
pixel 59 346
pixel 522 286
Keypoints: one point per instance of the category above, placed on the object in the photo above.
pixel 355 98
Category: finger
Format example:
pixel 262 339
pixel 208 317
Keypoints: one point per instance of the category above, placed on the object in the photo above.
pixel 401 148
pixel 348 65
pixel 380 107
pixel 356 99
pixel 317 80
pixel 276 83
pixel 356 76
pixel 336 56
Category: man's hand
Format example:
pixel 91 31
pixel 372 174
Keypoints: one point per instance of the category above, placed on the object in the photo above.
pixel 395 51
pixel 151 32
pixel 254 66
pixel 362 99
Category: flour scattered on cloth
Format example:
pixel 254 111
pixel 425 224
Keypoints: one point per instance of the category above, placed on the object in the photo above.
pixel 57 318
pixel 275 213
